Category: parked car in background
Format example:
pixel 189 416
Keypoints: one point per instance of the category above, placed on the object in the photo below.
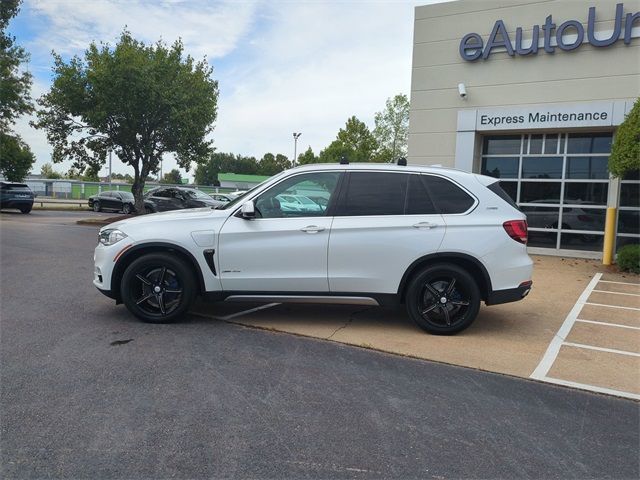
pixel 298 203
pixel 16 195
pixel 222 197
pixel 162 199
pixel 113 200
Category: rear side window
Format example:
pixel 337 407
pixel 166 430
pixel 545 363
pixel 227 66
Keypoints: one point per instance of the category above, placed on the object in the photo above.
pixel 418 200
pixel 374 193
pixel 15 186
pixel 447 196
pixel 497 189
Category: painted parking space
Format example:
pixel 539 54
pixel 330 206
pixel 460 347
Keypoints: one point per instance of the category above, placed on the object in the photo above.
pixel 597 348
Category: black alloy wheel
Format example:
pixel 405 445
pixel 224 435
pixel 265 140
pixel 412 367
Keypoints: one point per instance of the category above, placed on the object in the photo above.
pixel 443 299
pixel 126 208
pixel 96 206
pixel 158 288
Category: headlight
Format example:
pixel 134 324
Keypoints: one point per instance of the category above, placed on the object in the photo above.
pixel 110 236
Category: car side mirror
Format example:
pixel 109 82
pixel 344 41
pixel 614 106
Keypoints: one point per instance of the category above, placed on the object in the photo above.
pixel 248 210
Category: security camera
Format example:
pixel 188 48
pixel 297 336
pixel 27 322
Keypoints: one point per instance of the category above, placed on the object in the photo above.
pixel 462 90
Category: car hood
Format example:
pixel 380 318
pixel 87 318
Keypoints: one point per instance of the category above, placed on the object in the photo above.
pixel 172 216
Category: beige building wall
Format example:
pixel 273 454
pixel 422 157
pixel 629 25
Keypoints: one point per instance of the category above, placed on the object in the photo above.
pixel 586 74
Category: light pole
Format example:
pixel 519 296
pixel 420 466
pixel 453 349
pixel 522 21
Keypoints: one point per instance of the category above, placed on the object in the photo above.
pixel 110 174
pixel 296 136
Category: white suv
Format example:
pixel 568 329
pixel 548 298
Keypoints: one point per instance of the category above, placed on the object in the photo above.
pixel 436 239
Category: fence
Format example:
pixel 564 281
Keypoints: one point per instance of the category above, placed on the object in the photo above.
pixel 82 190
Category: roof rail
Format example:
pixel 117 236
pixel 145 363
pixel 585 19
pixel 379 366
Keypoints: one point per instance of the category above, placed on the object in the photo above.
pixel 402 162
pixel 343 160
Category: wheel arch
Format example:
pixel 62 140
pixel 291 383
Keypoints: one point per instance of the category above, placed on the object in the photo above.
pixel 469 263
pixel 153 247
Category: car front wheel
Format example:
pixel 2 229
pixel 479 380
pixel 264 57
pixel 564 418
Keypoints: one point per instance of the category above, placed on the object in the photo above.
pixel 443 299
pixel 126 208
pixel 158 288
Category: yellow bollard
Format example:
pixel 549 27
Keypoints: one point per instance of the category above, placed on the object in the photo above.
pixel 609 236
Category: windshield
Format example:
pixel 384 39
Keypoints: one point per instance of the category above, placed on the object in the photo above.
pixel 198 194
pixel 239 199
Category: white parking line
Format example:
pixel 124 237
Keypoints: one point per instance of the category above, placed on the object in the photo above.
pixel 607 324
pixel 611 306
pixel 621 283
pixel 617 293
pixel 601 349
pixel 554 347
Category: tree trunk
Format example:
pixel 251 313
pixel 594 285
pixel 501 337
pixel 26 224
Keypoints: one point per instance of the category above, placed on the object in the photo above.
pixel 137 189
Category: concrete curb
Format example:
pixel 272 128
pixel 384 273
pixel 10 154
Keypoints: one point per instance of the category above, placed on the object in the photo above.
pixel 98 222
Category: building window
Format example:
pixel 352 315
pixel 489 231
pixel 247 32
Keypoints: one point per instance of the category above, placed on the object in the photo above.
pixel 629 211
pixel 561 182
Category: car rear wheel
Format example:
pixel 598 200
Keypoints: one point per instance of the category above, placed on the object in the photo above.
pixel 126 208
pixel 96 207
pixel 158 288
pixel 25 209
pixel 443 299
pixel 147 210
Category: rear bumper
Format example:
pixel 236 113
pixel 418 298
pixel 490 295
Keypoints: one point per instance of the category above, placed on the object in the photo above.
pixel 509 295
pixel 17 203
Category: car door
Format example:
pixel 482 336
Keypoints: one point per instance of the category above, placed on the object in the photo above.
pixel 160 199
pixel 383 222
pixel 106 200
pixel 117 201
pixel 280 250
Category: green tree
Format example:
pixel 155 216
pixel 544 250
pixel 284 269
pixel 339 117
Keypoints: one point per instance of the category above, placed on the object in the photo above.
pixel 392 129
pixel 141 101
pixel 173 177
pixel 307 157
pixel 16 159
pixel 15 86
pixel 91 173
pixel 271 164
pixel 625 151
pixel 47 171
pixel 355 142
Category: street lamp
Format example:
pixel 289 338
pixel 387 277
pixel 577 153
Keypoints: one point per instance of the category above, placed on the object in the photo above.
pixel 296 136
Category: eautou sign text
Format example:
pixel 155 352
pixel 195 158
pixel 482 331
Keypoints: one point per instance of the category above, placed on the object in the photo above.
pixel 568 36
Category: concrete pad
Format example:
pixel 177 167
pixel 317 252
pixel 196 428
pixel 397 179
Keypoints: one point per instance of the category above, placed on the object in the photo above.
pixel 610 315
pixel 603 369
pixel 605 336
pixel 619 287
pixel 616 299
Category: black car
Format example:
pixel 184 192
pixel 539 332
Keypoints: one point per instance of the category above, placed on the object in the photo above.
pixel 113 200
pixel 16 195
pixel 162 199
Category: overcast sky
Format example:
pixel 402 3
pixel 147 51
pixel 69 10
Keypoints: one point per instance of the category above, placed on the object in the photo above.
pixel 282 66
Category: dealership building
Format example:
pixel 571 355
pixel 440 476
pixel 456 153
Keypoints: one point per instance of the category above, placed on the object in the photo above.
pixel 532 93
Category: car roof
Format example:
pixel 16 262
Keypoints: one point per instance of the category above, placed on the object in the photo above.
pixel 391 167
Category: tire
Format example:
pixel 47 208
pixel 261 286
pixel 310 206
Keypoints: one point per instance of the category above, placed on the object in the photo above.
pixel 174 278
pixel 126 208
pixel 147 210
pixel 96 207
pixel 437 310
pixel 26 209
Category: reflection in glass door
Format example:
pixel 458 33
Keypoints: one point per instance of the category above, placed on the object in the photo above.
pixel 560 181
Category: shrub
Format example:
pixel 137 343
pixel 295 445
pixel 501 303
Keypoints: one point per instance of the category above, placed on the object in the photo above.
pixel 625 151
pixel 629 258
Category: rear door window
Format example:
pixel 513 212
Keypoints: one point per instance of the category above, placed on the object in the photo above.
pixel 374 193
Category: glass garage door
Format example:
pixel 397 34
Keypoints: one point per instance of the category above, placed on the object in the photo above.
pixel 560 181
pixel 629 211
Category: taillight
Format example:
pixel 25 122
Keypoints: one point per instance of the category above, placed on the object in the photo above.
pixel 517 229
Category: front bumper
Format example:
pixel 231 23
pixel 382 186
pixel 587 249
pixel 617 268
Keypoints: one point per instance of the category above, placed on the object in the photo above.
pixel 509 295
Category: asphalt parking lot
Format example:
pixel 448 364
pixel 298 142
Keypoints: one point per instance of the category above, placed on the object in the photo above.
pixel 87 391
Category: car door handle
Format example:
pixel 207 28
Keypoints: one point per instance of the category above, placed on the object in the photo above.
pixel 425 225
pixel 312 229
